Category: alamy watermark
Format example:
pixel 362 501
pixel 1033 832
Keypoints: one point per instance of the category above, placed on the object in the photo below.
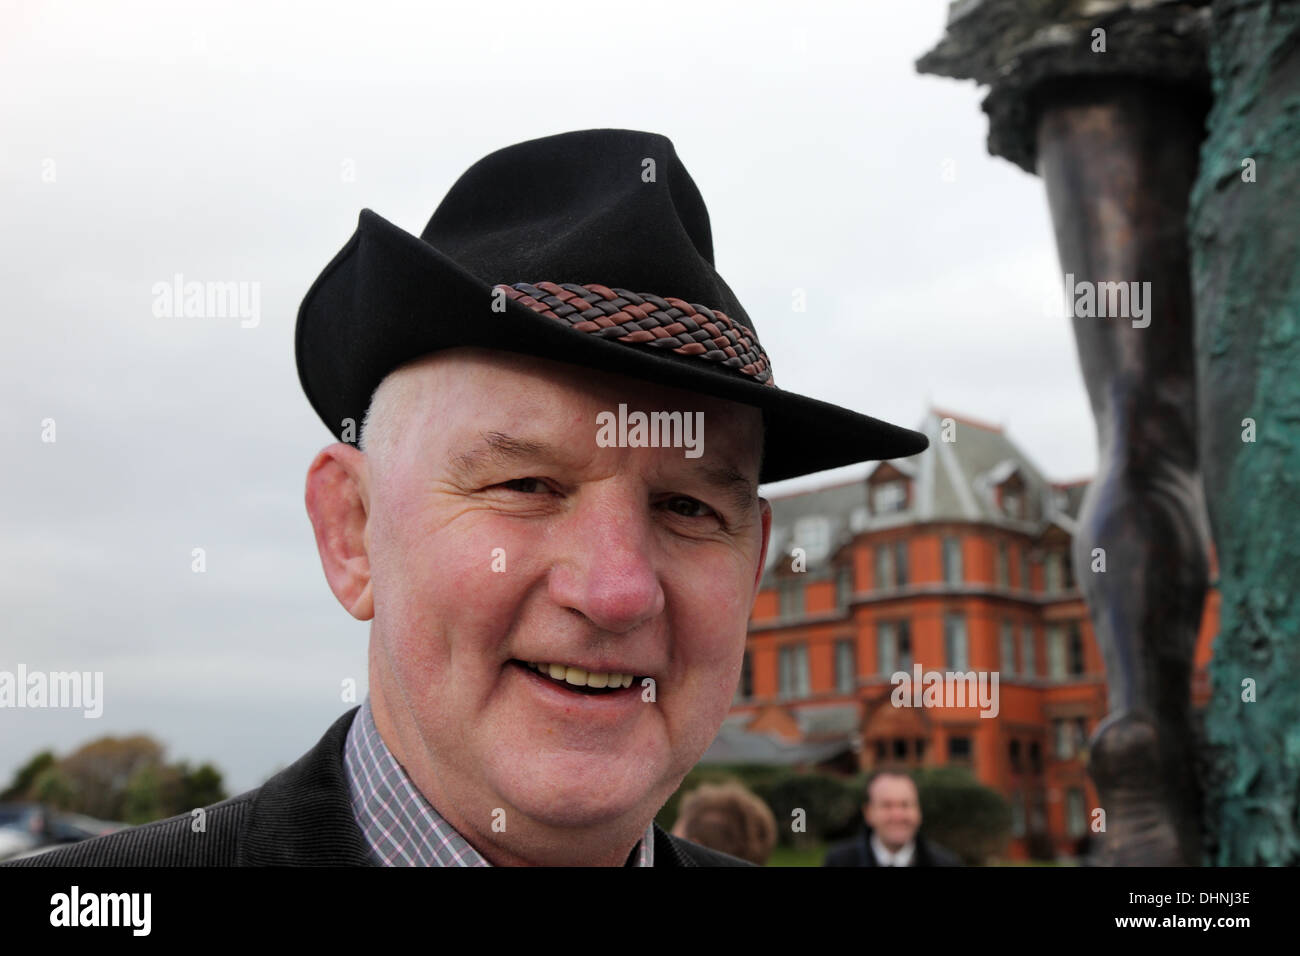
pixel 53 690
pixel 946 689
pixel 1106 300
pixel 653 430
pixel 179 299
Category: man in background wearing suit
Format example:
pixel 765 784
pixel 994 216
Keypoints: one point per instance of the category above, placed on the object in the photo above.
pixel 890 834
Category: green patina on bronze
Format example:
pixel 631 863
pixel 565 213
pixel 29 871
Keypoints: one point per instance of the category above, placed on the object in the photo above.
pixel 1245 239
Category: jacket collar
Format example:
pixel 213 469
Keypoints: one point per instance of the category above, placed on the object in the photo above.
pixel 302 816
pixel 867 856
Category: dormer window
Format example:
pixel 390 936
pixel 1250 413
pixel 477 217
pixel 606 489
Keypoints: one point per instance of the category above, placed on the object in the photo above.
pixel 889 490
pixel 889 497
pixel 814 536
pixel 1011 496
pixel 1013 505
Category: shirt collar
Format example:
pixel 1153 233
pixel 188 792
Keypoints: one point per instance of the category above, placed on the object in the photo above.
pixel 902 858
pixel 399 824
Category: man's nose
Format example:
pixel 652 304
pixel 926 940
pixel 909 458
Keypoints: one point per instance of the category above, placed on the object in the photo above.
pixel 606 569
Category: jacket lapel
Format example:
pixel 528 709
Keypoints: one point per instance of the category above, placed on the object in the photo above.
pixel 302 816
pixel 666 851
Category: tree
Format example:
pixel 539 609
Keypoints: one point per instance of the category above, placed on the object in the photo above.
pixel 112 778
pixel 26 775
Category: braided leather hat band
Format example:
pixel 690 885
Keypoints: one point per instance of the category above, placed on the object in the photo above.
pixel 645 319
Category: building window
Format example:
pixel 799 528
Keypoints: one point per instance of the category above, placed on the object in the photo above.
pixel 1028 660
pixel 1007 638
pixel 1013 752
pixel 745 689
pixel 1038 813
pixel 1052 573
pixel 1026 579
pixel 790 595
pixel 889 497
pixel 894 647
pixel 900 562
pixel 814 536
pixel 1035 757
pixel 900 748
pixel 1000 566
pixel 1067 570
pixel 844 585
pixel 920 749
pixel 959 749
pixel 1076 651
pixel 1076 819
pixel 884 567
pixel 1063 733
pixel 846 668
pixel 1056 653
pixel 792 673
pixel 1013 504
pixel 954 642
pixel 952 570
pixel 1017 814
pixel 880 751
pixel 886 648
pixel 1080 735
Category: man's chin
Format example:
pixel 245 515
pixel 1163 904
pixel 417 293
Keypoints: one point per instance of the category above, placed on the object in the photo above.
pixel 581 792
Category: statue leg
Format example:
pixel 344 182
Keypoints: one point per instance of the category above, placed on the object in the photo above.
pixel 1118 159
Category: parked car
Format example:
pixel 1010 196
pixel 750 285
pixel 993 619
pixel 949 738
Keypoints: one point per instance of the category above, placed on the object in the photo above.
pixel 30 828
pixel 22 828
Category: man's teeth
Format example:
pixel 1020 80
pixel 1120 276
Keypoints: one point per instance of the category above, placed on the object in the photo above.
pixel 580 678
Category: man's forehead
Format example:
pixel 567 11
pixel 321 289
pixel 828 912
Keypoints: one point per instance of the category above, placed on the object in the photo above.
pixel 468 393
pixel 494 368
pixel 893 785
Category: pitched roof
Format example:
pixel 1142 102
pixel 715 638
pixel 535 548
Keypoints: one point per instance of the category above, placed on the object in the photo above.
pixel 955 479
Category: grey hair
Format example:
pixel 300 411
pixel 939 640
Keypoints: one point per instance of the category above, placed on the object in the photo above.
pixel 381 426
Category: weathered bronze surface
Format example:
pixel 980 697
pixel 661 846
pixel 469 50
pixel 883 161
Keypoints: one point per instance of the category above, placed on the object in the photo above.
pixel 1245 243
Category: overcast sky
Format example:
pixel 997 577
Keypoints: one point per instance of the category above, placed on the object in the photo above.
pixel 238 142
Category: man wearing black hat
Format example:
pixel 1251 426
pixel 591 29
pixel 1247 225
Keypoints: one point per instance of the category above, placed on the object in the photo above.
pixel 552 522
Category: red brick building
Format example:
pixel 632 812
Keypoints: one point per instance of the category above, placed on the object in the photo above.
pixel 957 559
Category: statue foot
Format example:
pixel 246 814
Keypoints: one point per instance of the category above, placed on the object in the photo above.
pixel 1124 763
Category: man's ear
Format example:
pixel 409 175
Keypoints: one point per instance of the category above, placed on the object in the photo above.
pixel 765 519
pixel 338 503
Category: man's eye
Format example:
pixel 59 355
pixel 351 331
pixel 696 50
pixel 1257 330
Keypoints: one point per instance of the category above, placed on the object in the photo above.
pixel 524 485
pixel 690 508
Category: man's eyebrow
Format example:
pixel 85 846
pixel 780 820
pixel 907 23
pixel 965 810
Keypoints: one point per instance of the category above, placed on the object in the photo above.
pixel 500 448
pixel 732 482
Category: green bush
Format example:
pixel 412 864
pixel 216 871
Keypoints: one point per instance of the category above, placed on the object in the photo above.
pixel 962 814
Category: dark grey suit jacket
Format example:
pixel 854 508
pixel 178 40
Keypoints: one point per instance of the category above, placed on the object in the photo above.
pixel 300 817
pixel 857 852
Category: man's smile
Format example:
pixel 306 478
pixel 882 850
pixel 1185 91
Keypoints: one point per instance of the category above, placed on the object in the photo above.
pixel 611 704
pixel 580 679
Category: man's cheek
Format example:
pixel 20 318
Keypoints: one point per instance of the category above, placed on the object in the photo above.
pixel 478 574
pixel 716 631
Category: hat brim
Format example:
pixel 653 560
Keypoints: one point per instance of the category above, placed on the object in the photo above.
pixel 389 297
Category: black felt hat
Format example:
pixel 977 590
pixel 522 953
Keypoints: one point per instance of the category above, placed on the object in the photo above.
pixel 592 248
